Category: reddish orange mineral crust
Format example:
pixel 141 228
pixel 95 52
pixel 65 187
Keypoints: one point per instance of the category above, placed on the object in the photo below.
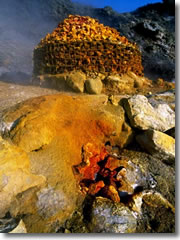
pixel 101 173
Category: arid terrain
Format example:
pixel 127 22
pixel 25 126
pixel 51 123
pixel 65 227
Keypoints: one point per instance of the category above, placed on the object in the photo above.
pixel 83 151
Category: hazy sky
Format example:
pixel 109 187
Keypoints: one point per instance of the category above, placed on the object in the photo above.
pixel 118 5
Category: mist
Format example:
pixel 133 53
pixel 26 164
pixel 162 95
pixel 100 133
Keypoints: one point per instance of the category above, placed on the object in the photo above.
pixel 22 25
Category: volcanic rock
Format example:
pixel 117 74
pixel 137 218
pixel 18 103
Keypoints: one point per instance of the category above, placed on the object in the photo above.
pixel 76 80
pixel 143 116
pixel 70 114
pixel 163 97
pixel 155 174
pixel 52 130
pixel 8 223
pixel 161 214
pixel 158 144
pixel 110 217
pixel 93 86
pixel 16 179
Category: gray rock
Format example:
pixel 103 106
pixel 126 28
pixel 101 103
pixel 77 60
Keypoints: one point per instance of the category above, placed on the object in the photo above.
pixel 143 115
pixel 8 223
pixel 167 97
pixel 76 80
pixel 159 176
pixel 158 144
pixel 158 215
pixel 107 216
pixel 93 86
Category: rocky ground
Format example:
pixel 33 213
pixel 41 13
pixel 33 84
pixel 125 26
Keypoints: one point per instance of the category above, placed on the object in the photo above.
pixel 45 138
pixel 87 153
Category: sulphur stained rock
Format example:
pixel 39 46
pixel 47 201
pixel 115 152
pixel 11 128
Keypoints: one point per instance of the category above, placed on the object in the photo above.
pixel 76 81
pixel 80 119
pixel 110 217
pixel 110 192
pixel 56 201
pixel 143 116
pixel 95 187
pixel 93 86
pixel 15 178
pixel 158 144
pixel 53 130
pixel 104 174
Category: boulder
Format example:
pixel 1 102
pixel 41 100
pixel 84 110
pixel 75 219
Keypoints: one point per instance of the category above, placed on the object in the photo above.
pixel 16 179
pixel 158 144
pixel 158 214
pixel 76 80
pixel 109 217
pixel 143 115
pixel 93 86
pixel 52 130
pixel 82 118
pixel 154 213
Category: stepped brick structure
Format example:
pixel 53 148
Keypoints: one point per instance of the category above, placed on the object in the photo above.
pixel 82 43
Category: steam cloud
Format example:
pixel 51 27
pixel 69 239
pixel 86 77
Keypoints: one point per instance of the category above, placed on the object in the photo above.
pixel 22 25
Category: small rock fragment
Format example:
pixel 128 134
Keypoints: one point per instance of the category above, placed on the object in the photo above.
pixel 21 228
